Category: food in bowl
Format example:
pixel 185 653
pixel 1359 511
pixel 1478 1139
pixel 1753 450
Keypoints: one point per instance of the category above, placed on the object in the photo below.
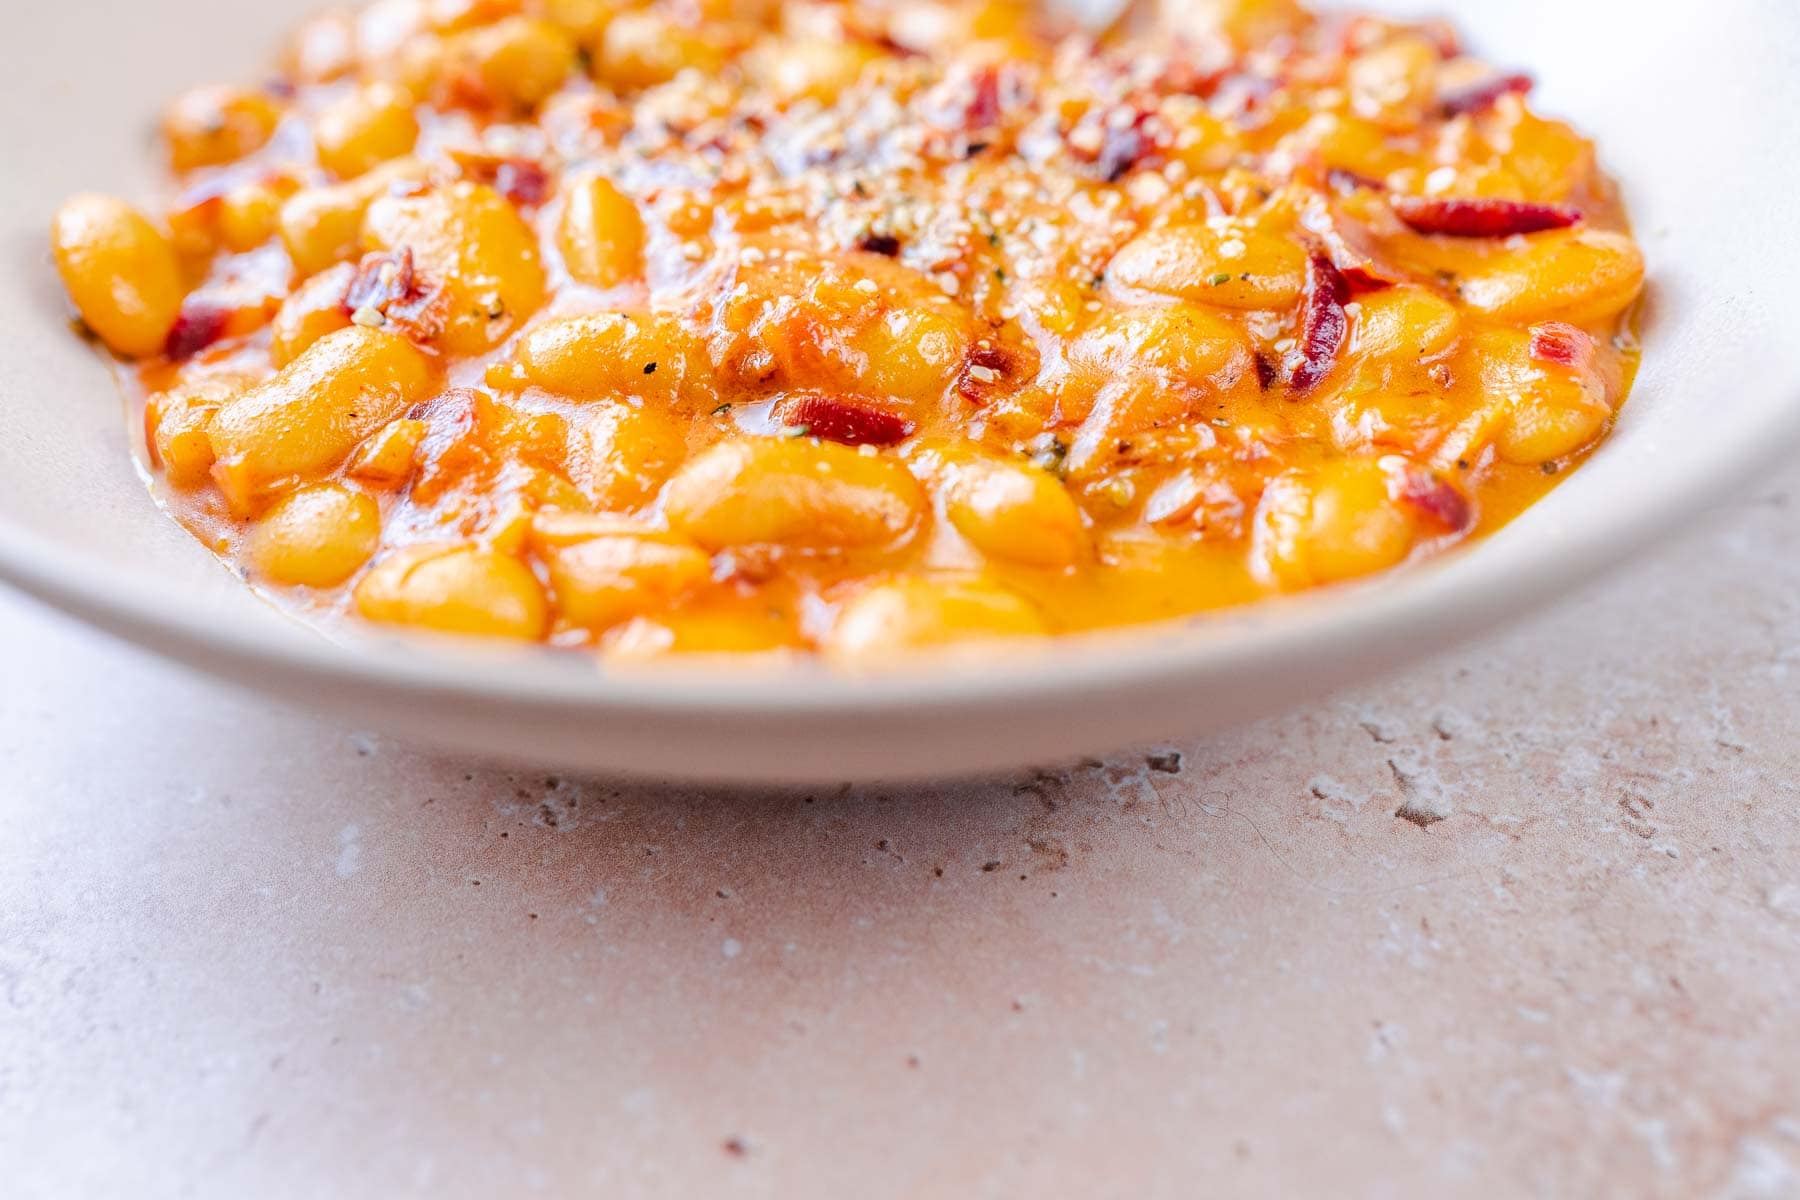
pixel 853 328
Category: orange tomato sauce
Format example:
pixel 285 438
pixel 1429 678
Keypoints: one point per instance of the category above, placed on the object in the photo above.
pixel 854 327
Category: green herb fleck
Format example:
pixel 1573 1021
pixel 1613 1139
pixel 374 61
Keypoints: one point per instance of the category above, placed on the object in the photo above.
pixel 1219 280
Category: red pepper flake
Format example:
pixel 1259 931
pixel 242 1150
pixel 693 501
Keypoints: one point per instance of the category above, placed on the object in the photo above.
pixel 1482 217
pixel 1324 326
pixel 840 421
pixel 200 323
pixel 1479 97
pixel 1431 494
pixel 1562 344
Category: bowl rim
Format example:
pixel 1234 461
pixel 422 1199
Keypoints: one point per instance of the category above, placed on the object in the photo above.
pixel 1400 614
pixel 1466 590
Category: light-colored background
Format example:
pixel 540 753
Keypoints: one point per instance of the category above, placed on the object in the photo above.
pixel 245 952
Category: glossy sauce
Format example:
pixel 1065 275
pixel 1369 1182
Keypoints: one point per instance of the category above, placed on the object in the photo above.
pixel 1154 329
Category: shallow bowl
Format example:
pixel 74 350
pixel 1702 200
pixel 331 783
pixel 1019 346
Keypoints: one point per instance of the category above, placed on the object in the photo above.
pixel 1693 110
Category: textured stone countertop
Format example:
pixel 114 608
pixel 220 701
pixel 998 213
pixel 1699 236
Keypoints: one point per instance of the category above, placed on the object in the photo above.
pixel 247 953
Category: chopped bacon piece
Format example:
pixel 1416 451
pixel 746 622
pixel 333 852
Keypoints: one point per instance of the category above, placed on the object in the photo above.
pixel 1123 148
pixel 1431 494
pixel 1241 94
pixel 880 243
pixel 1482 217
pixel 840 421
pixel 1444 34
pixel 1323 327
pixel 884 41
pixel 1186 75
pixel 217 183
pixel 1266 371
pixel 874 30
pixel 1342 179
pixel 222 311
pixel 984 105
pixel 1353 249
pixel 524 181
pixel 389 284
pixel 986 370
pixel 1361 279
pixel 380 280
pixel 201 323
pixel 1479 97
pixel 458 444
pixel 1564 345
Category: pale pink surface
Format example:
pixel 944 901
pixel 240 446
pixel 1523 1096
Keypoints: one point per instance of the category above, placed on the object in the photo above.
pixel 244 953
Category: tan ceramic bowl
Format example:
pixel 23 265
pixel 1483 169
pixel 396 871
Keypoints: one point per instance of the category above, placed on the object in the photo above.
pixel 1693 110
